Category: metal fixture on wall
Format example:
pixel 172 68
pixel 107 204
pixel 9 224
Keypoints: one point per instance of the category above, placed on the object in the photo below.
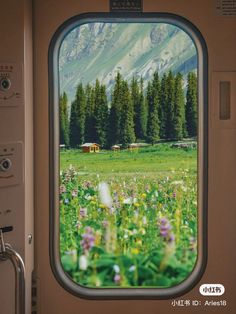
pixel 8 253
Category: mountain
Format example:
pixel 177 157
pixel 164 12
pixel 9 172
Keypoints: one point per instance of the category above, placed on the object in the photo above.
pixel 100 50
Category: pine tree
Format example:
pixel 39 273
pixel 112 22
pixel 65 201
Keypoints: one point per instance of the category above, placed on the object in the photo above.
pixel 140 109
pixel 153 124
pixel 170 114
pixel 89 118
pixel 64 119
pixel 179 108
pixel 73 124
pixel 101 114
pixel 142 114
pixel 135 99
pixel 97 99
pixel 115 112
pixel 77 118
pixel 191 105
pixel 127 134
pixel 163 107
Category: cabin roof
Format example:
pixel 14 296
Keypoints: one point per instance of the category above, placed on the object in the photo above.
pixel 115 146
pixel 90 144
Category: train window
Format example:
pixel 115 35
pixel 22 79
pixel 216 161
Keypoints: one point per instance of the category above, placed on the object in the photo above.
pixel 128 155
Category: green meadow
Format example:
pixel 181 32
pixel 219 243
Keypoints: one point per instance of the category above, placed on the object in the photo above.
pixel 158 159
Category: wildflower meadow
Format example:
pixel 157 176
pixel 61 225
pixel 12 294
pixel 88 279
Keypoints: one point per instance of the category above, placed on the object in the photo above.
pixel 129 219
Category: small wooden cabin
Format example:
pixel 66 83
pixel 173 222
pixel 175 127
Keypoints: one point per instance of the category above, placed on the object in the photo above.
pixel 115 148
pixel 91 148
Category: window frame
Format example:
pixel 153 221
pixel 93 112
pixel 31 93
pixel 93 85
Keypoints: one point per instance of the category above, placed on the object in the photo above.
pixel 54 159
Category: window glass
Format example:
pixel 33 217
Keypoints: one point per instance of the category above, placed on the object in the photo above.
pixel 128 114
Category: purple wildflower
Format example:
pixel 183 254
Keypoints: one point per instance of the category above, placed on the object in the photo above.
pixel 165 230
pixel 117 279
pixel 83 212
pixel 88 239
pixel 62 189
pixel 74 193
pixel 174 194
pixel 87 184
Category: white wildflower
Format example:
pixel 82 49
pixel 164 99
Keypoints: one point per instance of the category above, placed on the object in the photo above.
pixel 132 268
pixel 83 262
pixel 104 194
pixel 116 269
pixel 88 197
pixel 128 200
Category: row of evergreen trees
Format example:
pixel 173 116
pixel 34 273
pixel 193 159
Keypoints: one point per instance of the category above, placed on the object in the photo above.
pixel 162 112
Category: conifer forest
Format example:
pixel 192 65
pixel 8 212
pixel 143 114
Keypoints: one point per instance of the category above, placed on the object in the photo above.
pixel 163 111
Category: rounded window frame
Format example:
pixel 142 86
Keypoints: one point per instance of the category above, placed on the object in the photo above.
pixel 54 165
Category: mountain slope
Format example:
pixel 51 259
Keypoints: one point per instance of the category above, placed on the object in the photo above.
pixel 100 50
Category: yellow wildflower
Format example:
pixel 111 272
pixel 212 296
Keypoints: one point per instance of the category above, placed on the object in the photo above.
pixel 135 251
pixel 102 206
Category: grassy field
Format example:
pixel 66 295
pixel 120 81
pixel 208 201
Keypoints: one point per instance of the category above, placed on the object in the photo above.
pixel 129 219
pixel 159 159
